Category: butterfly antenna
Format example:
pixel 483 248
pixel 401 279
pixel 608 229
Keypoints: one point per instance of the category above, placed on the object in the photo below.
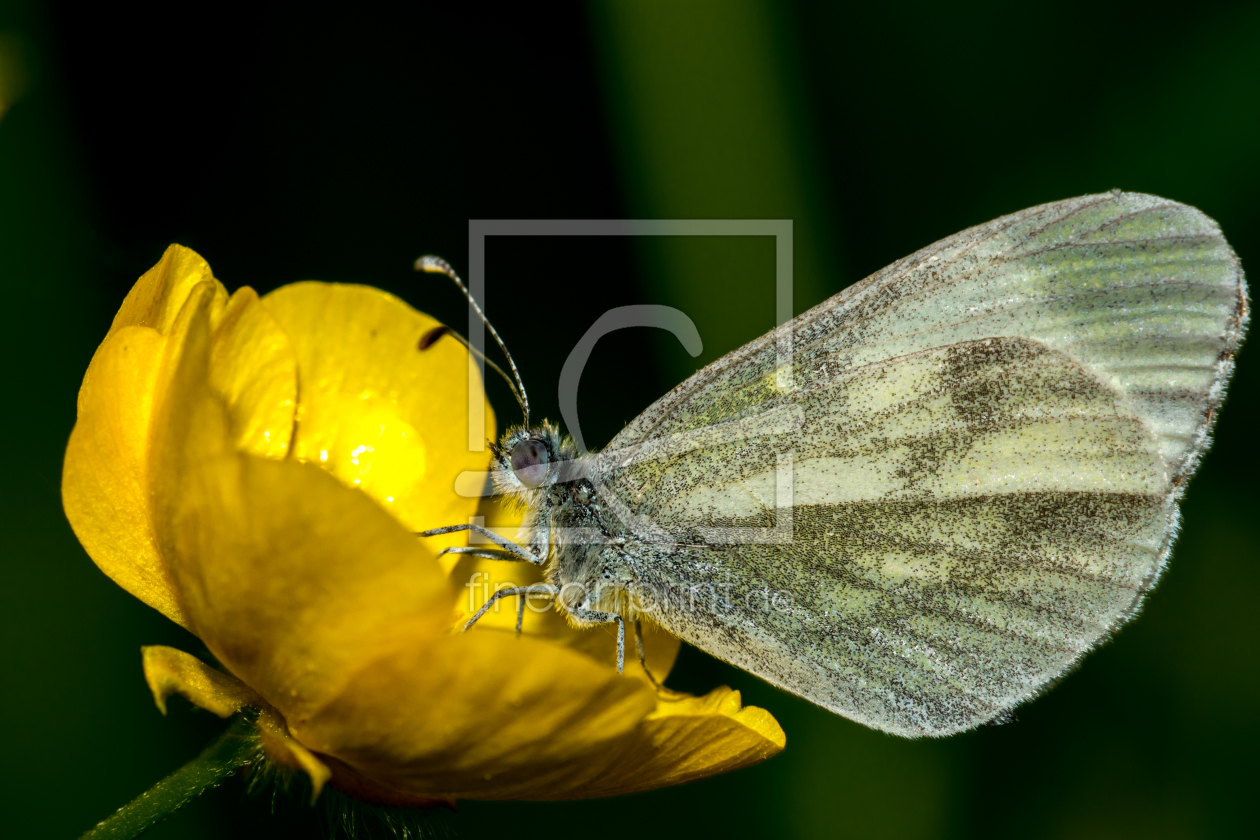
pixel 437 265
pixel 427 340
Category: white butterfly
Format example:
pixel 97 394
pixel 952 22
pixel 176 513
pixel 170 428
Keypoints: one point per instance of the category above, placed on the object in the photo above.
pixel 963 476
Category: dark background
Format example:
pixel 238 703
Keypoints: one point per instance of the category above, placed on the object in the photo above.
pixel 340 146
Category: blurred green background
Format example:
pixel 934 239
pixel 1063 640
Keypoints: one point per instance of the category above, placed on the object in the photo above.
pixel 296 145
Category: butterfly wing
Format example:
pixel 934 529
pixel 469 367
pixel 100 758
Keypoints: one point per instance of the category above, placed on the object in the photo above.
pixel 923 500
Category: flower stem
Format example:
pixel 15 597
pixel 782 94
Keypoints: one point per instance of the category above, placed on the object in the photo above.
pixel 235 748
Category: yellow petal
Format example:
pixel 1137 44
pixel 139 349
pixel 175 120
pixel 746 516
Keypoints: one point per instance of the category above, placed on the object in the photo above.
pixel 254 369
pixel 350 781
pixel 483 715
pixel 105 479
pixel 689 738
pixel 160 292
pixel 377 412
pixel 104 483
pixel 489 720
pixel 291 578
pixel 169 671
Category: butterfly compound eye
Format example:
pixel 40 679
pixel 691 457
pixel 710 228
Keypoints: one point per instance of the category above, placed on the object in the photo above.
pixel 529 462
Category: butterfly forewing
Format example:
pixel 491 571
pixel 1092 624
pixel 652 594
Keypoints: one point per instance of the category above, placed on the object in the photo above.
pixel 992 436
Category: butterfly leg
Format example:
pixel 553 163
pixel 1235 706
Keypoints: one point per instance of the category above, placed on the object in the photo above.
pixel 507 549
pixel 638 643
pixel 522 591
pixel 597 617
pixel 487 553
pixel 520 603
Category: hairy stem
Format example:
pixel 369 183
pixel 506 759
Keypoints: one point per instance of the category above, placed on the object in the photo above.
pixel 234 749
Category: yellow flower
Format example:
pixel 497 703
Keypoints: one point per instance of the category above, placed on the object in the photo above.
pixel 256 469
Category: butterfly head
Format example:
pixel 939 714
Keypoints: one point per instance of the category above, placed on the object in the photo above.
pixel 528 460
